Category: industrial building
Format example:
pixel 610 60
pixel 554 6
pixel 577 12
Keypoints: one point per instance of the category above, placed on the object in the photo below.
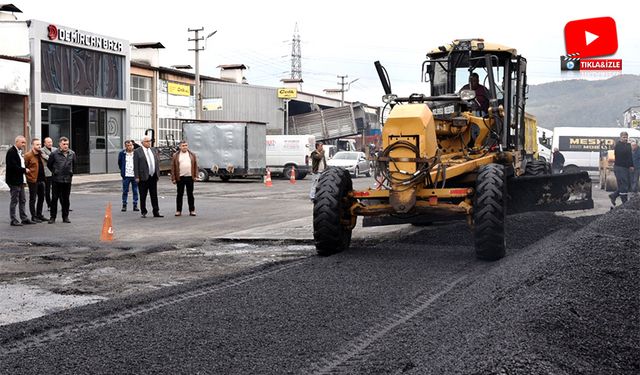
pixel 78 87
pixel 98 91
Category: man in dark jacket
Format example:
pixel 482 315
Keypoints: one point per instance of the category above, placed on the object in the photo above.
pixel 622 168
pixel 147 171
pixel 61 163
pixel 635 155
pixel 557 161
pixel 16 179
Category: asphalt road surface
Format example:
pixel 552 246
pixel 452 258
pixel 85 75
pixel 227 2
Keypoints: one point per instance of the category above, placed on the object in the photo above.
pixel 564 301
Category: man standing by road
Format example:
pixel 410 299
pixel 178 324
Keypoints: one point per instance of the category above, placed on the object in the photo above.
pixel 15 178
pixel 147 172
pixel 622 168
pixel 635 156
pixel 557 161
pixel 35 180
pixel 125 162
pixel 46 151
pixel 61 163
pixel 184 169
pixel 318 164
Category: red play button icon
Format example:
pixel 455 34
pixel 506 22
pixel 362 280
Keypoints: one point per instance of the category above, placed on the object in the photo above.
pixel 591 37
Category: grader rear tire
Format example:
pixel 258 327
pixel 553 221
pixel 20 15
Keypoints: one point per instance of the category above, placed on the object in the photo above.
pixel 331 211
pixel 489 211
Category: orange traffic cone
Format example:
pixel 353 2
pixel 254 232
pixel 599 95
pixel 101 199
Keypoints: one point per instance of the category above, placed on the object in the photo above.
pixel 267 179
pixel 107 225
pixel 292 179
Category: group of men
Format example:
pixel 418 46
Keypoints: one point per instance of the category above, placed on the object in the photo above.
pixel 49 170
pixel 140 169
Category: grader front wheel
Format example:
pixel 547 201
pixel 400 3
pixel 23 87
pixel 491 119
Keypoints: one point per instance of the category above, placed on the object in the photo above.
pixel 331 232
pixel 489 212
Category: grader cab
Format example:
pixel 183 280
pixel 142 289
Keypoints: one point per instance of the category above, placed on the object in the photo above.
pixel 462 151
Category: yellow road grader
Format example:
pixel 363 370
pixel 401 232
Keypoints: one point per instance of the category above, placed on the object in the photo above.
pixel 446 156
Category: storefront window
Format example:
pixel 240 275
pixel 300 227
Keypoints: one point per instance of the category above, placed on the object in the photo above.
pixel 78 71
pixel 112 76
pixel 86 66
pixel 56 68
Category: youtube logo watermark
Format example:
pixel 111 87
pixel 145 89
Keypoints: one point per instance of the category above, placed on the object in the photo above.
pixel 592 37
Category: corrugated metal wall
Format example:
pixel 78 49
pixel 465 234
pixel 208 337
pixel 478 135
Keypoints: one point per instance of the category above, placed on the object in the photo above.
pixel 245 103
pixel 140 117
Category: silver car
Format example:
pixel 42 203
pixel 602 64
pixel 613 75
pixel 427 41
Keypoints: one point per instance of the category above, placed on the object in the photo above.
pixel 354 162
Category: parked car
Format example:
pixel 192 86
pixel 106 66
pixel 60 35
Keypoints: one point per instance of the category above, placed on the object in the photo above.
pixel 353 161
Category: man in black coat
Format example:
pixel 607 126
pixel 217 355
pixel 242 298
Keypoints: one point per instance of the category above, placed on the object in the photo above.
pixel 16 179
pixel 147 171
pixel 557 161
pixel 61 163
pixel 622 168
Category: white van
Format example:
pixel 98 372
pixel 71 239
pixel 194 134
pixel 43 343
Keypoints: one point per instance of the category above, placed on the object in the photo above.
pixel 286 152
pixel 581 146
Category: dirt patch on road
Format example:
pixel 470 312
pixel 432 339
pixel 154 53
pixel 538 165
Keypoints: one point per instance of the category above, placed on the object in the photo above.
pixel 37 280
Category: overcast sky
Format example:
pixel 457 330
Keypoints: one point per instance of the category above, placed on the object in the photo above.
pixel 343 37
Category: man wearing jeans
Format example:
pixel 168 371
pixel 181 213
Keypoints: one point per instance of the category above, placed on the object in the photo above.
pixel 125 162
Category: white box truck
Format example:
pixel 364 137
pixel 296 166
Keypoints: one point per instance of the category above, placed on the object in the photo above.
pixel 286 153
pixel 227 149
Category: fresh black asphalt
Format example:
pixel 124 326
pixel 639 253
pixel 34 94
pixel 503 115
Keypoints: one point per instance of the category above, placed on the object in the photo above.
pixel 565 300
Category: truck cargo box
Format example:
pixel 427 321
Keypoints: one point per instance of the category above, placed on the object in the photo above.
pixel 227 149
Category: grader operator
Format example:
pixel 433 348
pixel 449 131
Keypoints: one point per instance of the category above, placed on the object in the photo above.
pixel 445 156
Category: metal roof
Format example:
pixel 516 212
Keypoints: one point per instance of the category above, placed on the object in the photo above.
pixel 148 45
pixel 9 8
pixel 232 66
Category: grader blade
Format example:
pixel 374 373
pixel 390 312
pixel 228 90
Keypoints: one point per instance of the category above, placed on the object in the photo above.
pixel 559 192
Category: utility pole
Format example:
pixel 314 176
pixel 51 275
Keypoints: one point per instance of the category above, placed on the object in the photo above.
pixel 197 38
pixel 342 84
pixel 342 89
